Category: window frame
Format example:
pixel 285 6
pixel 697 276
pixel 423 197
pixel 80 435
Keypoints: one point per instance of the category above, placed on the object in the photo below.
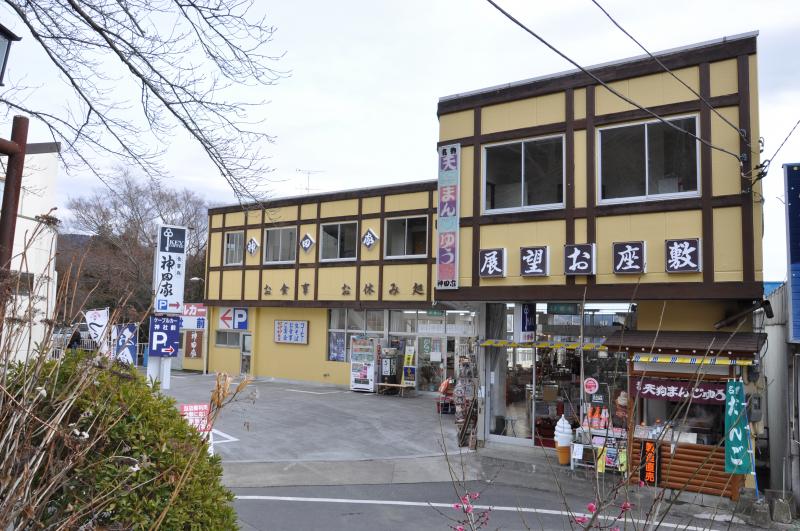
pixel 295 244
pixel 225 248
pixel 338 241
pixel 524 208
pixel 226 345
pixel 386 254
pixel 647 197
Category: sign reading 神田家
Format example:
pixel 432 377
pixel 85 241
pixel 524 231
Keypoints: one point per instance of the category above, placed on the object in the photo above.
pixel 169 269
pixel 447 217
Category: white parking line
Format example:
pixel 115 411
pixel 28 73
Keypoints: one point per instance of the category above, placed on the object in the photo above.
pixel 225 437
pixel 450 506
pixel 313 392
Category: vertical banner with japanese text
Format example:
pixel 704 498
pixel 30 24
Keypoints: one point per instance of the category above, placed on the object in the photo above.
pixel 447 223
pixel 737 430
pixel 169 269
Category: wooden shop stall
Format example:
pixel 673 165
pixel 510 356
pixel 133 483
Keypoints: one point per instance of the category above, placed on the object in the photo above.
pixel 676 388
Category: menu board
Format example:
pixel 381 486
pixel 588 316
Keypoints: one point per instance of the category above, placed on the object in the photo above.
pixel 295 332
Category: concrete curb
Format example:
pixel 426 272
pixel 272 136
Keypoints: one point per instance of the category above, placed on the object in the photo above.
pixel 359 472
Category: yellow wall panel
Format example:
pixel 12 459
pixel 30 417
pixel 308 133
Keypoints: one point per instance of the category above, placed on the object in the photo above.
pixel 331 281
pixel 253 259
pixel 725 173
pixel 234 219
pixel 254 217
pixel 215 249
pixel 296 362
pixel 580 103
pixel 755 131
pixel 728 243
pixel 310 256
pixel 216 221
pixel 529 112
pixel 651 90
pixel 404 277
pixel 468 182
pixel 686 316
pixel 305 276
pixel 411 201
pixel 369 275
pixel 464 257
pixel 345 207
pixel 581 176
pixel 512 237
pixel 213 285
pixel 456 125
pixel 724 79
pixel 581 230
pixel 251 285
pixel 277 279
pixel 287 213
pixel 308 211
pixel 220 359
pixel 232 285
pixel 371 205
pixel 375 252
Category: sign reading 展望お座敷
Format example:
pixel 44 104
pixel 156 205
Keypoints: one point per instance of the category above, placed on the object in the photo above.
pixel 791 174
pixel 169 269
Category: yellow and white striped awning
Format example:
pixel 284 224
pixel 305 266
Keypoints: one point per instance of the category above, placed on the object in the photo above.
pixel 692 360
pixel 541 344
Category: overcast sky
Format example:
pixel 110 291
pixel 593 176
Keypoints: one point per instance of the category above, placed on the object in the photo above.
pixel 360 105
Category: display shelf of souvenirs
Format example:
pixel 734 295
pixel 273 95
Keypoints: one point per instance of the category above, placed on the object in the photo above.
pixel 665 433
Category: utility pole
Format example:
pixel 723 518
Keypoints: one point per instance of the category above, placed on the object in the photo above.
pixel 15 149
pixel 308 177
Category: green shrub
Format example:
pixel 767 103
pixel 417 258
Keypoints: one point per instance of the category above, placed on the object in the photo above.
pixel 141 448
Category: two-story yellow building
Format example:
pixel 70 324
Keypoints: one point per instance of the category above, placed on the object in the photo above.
pixel 629 198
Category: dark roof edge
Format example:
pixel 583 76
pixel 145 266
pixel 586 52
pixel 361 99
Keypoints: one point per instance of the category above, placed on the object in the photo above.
pixel 40 148
pixel 355 193
pixel 709 51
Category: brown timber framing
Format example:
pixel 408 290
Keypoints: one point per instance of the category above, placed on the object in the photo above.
pixel 591 173
pixel 431 260
pixel 360 228
pixel 569 128
pixel 748 245
pixel 731 48
pixel 705 177
pixel 477 208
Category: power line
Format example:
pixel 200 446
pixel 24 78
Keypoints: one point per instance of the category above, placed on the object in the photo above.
pixel 607 87
pixel 763 168
pixel 670 72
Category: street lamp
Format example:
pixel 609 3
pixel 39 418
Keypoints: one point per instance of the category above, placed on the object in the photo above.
pixel 6 38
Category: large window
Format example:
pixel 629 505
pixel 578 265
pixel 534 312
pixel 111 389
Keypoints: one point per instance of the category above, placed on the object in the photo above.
pixel 343 324
pixel 339 241
pixel 406 237
pixel 234 248
pixel 527 174
pixel 648 160
pixel 280 245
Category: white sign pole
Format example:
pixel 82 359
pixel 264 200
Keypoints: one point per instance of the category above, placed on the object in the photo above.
pixel 153 368
pixel 166 370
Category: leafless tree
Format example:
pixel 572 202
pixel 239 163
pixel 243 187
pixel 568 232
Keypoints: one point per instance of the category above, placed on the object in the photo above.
pixel 138 70
pixel 122 230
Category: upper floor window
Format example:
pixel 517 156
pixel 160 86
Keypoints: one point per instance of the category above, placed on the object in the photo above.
pixel 339 241
pixel 648 160
pixel 528 174
pixel 280 245
pixel 234 248
pixel 406 237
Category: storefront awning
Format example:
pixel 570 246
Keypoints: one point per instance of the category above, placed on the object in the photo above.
pixel 692 344
pixel 692 360
pixel 542 344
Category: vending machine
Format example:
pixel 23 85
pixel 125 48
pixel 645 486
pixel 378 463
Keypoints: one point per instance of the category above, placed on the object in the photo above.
pixel 364 353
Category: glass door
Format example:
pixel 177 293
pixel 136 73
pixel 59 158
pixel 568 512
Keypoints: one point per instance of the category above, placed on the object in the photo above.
pixel 510 377
pixel 246 351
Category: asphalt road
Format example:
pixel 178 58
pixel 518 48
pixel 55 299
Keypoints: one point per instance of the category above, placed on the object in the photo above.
pixel 424 506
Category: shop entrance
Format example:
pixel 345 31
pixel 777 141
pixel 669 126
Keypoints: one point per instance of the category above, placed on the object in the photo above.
pixel 510 377
pixel 246 351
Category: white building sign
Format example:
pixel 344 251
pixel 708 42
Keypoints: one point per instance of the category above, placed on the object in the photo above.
pixel 295 332
pixel 170 269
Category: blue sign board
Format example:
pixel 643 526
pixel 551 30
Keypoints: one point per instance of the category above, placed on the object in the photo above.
pixel 165 335
pixel 125 338
pixel 792 195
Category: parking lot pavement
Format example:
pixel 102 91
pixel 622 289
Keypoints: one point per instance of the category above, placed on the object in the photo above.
pixel 286 422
